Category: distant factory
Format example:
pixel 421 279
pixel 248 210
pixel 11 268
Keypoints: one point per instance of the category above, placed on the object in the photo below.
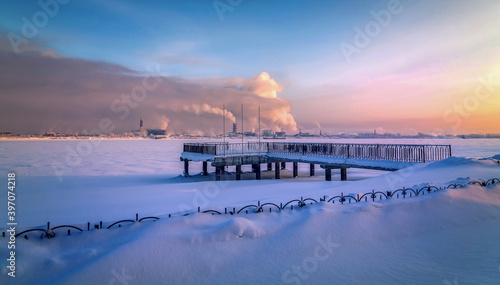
pixel 152 133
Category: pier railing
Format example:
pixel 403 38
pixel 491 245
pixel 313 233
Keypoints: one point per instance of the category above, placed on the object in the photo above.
pixel 388 152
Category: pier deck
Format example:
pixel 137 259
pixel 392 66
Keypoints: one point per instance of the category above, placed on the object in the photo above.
pixel 389 157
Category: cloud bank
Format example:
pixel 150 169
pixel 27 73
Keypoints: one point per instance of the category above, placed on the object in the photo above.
pixel 42 92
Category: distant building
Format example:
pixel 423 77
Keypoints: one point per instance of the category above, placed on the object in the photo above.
pixel 476 136
pixel 280 134
pixel 235 128
pixel 301 134
pixel 250 134
pixel 267 133
pixel 157 132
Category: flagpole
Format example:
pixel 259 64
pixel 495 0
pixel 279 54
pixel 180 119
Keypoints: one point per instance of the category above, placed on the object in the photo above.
pixel 259 130
pixel 242 133
pixel 224 129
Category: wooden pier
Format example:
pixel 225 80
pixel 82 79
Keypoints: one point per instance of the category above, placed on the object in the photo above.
pixel 390 157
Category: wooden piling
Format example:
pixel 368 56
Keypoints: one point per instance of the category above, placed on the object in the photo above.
pixel 186 167
pixel 328 174
pixel 217 173
pixel 205 168
pixel 343 174
pixel 238 172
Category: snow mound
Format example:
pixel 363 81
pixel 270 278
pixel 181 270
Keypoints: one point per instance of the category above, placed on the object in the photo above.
pixel 496 157
pixel 239 227
pixel 462 162
pixel 234 228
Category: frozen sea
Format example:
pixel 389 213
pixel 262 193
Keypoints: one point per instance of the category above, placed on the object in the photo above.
pixel 449 237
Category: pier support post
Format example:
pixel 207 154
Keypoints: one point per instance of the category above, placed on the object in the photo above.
pixel 238 172
pixel 269 166
pixel 343 174
pixel 295 169
pixel 257 171
pixel 217 173
pixel 328 174
pixel 283 165
pixel 277 170
pixel 311 169
pixel 186 167
pixel 205 168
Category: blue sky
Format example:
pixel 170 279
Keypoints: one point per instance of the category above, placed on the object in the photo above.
pixel 255 36
pixel 432 51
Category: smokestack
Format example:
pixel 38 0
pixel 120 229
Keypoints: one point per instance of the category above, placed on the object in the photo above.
pixel 141 124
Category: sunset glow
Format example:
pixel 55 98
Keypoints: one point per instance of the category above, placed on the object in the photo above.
pixel 353 66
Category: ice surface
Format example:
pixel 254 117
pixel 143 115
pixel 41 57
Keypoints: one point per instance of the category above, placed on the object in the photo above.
pixel 434 239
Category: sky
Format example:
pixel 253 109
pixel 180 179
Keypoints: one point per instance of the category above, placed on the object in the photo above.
pixel 355 66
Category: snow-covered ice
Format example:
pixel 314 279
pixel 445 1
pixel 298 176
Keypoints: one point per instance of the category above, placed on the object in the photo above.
pixel 444 237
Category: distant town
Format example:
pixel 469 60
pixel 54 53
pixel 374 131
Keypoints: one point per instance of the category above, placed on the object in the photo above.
pixel 265 134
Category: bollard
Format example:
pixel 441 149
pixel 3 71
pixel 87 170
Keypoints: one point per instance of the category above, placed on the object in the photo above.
pixel 88 226
pixel 136 217
pixel 3 234
pixel 69 232
pixel 48 225
pixel 100 224
pixel 26 236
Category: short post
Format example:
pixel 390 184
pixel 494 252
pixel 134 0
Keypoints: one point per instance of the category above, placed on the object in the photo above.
pixel 269 166
pixel 328 174
pixel 311 169
pixel 205 168
pixel 343 174
pixel 253 167
pixel 257 171
pixel 238 172
pixel 295 169
pixel 186 167
pixel 277 170
pixel 217 173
